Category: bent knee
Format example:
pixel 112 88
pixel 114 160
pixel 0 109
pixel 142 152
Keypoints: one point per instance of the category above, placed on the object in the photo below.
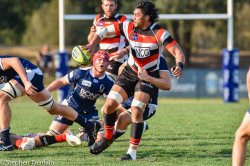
pixel 109 106
pixel 242 134
pixel 125 118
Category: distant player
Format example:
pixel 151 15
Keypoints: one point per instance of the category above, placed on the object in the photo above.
pixel 242 135
pixel 115 46
pixel 21 77
pixel 89 85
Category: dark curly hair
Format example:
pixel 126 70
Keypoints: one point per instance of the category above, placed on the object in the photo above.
pixel 148 8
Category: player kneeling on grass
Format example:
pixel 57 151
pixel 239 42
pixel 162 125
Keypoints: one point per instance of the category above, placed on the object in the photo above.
pixel 21 77
pixel 32 140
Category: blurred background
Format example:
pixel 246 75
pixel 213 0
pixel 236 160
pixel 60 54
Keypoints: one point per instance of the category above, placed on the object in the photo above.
pixel 27 25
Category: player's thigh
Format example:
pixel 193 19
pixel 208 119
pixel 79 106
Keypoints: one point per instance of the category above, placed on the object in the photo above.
pixel 127 80
pixel 11 90
pixel 41 96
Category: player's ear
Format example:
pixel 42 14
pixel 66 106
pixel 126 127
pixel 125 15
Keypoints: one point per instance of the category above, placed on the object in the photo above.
pixel 147 17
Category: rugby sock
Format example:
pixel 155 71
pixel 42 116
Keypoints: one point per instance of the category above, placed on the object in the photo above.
pixel 136 133
pixel 132 153
pixel 118 133
pixel 5 136
pixel 109 122
pixel 60 138
pixel 88 125
pixel 47 140
pixel 18 143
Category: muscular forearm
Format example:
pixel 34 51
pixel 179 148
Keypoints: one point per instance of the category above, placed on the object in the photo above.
pixel 57 84
pixel 90 36
pixel 177 52
pixel 160 83
pixel 18 67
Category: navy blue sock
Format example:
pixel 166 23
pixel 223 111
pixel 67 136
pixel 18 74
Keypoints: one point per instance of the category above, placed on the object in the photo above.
pixel 5 136
pixel 84 122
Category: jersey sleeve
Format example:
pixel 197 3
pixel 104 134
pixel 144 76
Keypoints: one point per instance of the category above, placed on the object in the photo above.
pixel 167 40
pixel 74 75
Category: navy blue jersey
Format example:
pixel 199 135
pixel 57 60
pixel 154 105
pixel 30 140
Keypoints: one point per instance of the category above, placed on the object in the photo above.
pixel 154 99
pixel 87 89
pixel 6 75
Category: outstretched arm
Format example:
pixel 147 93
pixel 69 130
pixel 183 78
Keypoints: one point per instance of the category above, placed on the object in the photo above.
pixel 15 64
pixel 163 82
pixel 109 31
pixel 58 84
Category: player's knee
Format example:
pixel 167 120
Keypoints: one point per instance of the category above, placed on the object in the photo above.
pixel 48 105
pixel 10 91
pixel 241 134
pixel 137 115
pixel 109 106
pixel 114 97
pixel 124 118
pixel 3 98
pixel 137 105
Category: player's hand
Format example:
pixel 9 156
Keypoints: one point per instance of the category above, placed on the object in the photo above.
pixel 30 89
pixel 117 55
pixel 89 47
pixel 176 71
pixel 143 74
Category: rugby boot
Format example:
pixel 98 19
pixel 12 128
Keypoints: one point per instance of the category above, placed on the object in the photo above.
pixel 126 157
pixel 100 146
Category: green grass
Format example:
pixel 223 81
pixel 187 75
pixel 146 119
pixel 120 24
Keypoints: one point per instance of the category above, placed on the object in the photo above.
pixel 183 132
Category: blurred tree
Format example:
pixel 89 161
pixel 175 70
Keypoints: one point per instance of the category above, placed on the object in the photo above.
pixel 13 16
pixel 42 27
pixel 242 33
pixel 36 22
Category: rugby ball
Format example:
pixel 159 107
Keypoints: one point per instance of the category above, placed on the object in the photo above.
pixel 81 56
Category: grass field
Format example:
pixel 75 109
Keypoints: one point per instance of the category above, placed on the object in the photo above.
pixel 183 132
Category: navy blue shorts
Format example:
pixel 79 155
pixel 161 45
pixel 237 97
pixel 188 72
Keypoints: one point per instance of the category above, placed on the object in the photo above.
pixel 35 76
pixel 91 116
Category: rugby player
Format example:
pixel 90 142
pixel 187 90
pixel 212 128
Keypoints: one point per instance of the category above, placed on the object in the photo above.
pixel 89 85
pixel 115 46
pixel 147 41
pixel 21 77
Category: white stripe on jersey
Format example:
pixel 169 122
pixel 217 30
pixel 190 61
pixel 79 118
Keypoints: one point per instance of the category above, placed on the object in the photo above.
pixel 152 46
pixel 164 36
